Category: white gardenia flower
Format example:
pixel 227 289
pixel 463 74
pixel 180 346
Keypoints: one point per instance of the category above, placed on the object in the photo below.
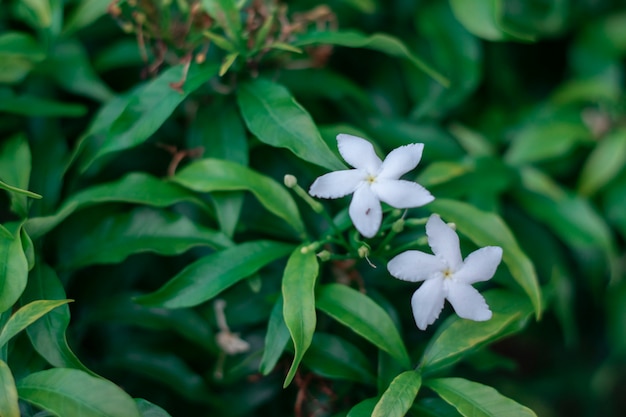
pixel 373 181
pixel 446 275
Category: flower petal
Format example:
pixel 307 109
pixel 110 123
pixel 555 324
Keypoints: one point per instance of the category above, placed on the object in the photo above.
pixel 365 211
pixel 479 265
pixel 444 241
pixel 427 302
pixel 359 153
pixel 467 302
pixel 401 193
pixel 401 160
pixel 415 266
pixel 336 184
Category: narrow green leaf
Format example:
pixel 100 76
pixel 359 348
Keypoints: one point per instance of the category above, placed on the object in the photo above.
pixel 399 396
pixel 147 409
pixel 70 392
pixel 227 63
pixel 142 112
pixel 208 175
pixel 457 337
pixel 472 399
pixel 604 163
pixel 9 406
pixel 27 193
pixel 276 338
pixel 378 42
pixel 15 166
pixel 113 237
pixel 85 13
pixel 298 290
pixel 366 318
pixel 486 229
pixel 25 316
pixel 31 105
pixel 226 13
pixel 282 46
pixel 47 334
pixel 364 408
pixel 134 188
pixel 13 267
pixel 479 18
pixel 221 42
pixel 277 119
pixel 19 53
pixel 210 275
pixel 332 357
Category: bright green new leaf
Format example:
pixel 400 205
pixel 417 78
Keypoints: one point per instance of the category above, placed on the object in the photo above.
pixel 70 392
pixel 472 399
pixel 226 13
pixel 13 266
pixel 363 316
pixel 47 334
pixel 15 166
pixel 113 237
pixel 228 61
pixel 147 409
pixel 210 275
pixel 276 338
pixel 5 186
pixel 85 13
pixel 399 396
pixel 381 42
pixel 277 119
pixel 134 188
pixel 19 52
pixel 486 229
pixel 483 18
pixel 298 290
pixel 27 315
pixel 208 175
pixel 604 163
pixel 333 357
pixel 9 406
pixel 457 337
pixel 142 112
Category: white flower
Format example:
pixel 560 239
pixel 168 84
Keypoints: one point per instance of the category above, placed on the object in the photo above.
pixel 446 275
pixel 373 181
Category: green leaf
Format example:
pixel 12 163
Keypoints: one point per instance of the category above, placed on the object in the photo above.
pixel 13 267
pixel 486 229
pixel 128 121
pixel 19 53
pixel 226 13
pixel 332 357
pixel 9 406
pixel 377 42
pixel 483 18
pixel 147 409
pixel 228 61
pixel 472 399
pixel 277 119
pixel 70 392
pixel 85 13
pixel 399 396
pixel 27 315
pixel 366 318
pixel 134 188
pixel 364 408
pixel 47 334
pixel 298 290
pixel 30 105
pixel 5 186
pixel 114 237
pixel 276 338
pixel 458 337
pixel 604 163
pixel 209 175
pixel 15 166
pixel 210 275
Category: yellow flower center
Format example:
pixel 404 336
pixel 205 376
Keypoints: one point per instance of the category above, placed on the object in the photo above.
pixel 447 273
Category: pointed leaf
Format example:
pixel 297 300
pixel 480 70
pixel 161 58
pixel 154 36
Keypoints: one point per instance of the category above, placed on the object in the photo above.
pixel 9 406
pixel 381 42
pixel 70 392
pixel 277 119
pixel 364 408
pixel 226 13
pixel 366 318
pixel 208 175
pixel 134 188
pixel 15 166
pixel 472 399
pixel 25 316
pixel 298 289
pixel 399 396
pixel 604 163
pixel 276 338
pixel 147 409
pixel 112 238
pixel 210 275
pixel 457 337
pixel 486 229
pixel 48 333
pixel 13 266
